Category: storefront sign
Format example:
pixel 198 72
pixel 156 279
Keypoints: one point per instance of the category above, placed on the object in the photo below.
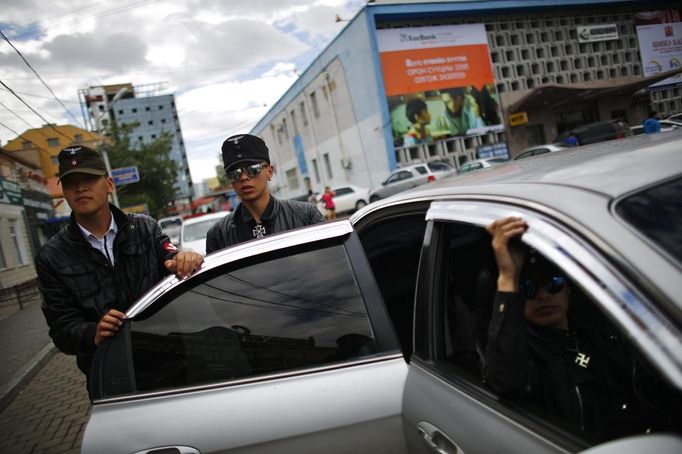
pixel 516 119
pixel 591 33
pixel 10 192
pixel 660 44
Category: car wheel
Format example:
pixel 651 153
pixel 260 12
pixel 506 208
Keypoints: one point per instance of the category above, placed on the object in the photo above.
pixel 374 198
pixel 360 204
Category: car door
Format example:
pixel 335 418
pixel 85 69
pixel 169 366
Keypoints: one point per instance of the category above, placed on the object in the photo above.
pixel 276 345
pixel 448 406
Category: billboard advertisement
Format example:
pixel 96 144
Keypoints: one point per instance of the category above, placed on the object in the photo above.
pixel 660 44
pixel 439 82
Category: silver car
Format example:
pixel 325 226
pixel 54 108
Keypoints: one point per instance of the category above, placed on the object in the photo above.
pixel 368 334
pixel 409 177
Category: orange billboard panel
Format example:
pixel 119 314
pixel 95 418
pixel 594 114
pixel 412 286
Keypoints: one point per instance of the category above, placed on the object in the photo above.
pixel 413 70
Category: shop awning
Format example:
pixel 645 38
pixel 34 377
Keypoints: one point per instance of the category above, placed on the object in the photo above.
pixel 553 96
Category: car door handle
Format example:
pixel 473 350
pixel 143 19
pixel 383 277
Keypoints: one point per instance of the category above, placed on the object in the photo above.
pixel 436 440
pixel 170 450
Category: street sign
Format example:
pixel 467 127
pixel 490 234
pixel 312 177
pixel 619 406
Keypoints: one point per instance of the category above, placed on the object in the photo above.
pixel 125 175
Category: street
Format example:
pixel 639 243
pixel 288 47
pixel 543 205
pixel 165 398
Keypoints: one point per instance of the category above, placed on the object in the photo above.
pixel 45 405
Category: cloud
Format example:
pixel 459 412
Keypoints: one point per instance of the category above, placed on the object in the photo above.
pixel 111 52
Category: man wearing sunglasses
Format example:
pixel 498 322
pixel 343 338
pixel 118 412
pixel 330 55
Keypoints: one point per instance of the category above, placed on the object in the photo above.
pixel 563 359
pixel 247 166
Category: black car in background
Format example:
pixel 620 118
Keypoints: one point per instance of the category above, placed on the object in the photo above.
pixel 596 132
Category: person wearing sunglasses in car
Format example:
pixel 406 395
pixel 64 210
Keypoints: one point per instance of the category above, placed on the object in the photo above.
pixel 546 349
pixel 247 166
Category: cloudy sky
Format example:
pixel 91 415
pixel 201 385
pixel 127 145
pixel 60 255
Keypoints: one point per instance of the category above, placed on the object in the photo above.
pixel 226 61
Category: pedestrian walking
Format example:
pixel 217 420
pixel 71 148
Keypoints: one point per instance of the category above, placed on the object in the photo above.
pixel 247 166
pixel 328 200
pixel 91 271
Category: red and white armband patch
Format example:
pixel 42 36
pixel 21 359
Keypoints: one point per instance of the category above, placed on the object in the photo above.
pixel 170 247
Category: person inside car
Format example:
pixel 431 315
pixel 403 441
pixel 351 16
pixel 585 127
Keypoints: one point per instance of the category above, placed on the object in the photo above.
pixel 546 349
pixel 247 166
pixel 90 272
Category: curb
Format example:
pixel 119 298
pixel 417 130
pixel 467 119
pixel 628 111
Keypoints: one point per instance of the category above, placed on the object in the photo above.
pixel 9 391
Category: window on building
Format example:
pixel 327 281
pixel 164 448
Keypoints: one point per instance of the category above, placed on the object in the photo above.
pixel 316 171
pixel 284 128
pixel 163 120
pixel 293 121
pixel 14 232
pixel 78 138
pixel 120 111
pixel 153 136
pixel 146 109
pixel 328 165
pixel 313 101
pixel 53 142
pixel 134 110
pixel 100 107
pixel 150 122
pixel 160 107
pixel 292 178
pixel 26 145
pixel 304 117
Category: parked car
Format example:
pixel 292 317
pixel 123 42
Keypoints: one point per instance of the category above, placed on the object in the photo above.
pixel 366 334
pixel 676 117
pixel 539 149
pixel 347 199
pixel 172 226
pixel 478 164
pixel 411 176
pixel 597 132
pixel 666 125
pixel 194 231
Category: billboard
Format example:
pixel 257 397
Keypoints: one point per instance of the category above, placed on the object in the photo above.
pixel 439 82
pixel 660 44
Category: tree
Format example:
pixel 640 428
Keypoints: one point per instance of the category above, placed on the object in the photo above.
pixel 157 170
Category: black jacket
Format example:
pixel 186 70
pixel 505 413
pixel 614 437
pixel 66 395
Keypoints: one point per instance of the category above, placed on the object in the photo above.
pixel 79 285
pixel 584 377
pixel 286 215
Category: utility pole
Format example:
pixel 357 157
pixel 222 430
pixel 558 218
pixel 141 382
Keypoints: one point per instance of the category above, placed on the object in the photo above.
pixel 103 145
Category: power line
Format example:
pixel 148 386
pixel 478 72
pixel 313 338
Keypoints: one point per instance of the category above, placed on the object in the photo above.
pixel 33 95
pixel 34 111
pixel 22 119
pixel 38 76
pixel 22 137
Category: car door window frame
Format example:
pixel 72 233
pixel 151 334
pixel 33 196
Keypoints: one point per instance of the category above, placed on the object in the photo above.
pixel 117 351
pixel 603 283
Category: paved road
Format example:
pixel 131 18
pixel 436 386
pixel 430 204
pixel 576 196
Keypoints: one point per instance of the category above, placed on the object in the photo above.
pixel 43 402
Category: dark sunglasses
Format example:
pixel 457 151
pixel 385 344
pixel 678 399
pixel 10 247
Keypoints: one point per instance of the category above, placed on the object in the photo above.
pixel 252 171
pixel 553 286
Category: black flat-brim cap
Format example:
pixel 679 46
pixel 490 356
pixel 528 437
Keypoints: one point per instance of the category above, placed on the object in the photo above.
pixel 242 148
pixel 80 159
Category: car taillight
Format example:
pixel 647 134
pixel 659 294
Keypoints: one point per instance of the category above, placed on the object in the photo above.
pixel 431 178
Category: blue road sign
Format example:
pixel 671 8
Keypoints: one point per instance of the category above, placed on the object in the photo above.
pixel 125 175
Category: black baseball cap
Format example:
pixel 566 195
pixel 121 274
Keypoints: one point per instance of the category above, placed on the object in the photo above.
pixel 80 159
pixel 242 148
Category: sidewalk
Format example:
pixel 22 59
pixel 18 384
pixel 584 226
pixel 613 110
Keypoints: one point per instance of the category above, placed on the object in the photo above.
pixel 43 402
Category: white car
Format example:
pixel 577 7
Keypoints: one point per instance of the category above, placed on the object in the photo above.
pixel 347 199
pixel 194 231
pixel 539 149
pixel 171 226
pixel 478 164
pixel 666 125
pixel 409 177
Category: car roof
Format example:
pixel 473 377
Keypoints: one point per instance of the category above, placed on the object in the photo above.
pixel 204 217
pixel 611 168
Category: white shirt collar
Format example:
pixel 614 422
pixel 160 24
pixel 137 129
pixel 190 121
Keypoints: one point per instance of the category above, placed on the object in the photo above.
pixel 112 229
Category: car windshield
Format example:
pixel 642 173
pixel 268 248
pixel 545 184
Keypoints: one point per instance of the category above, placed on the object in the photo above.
pixel 197 231
pixel 170 223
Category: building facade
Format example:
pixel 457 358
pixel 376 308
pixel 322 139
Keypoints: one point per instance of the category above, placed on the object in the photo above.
pixel 555 64
pixel 154 114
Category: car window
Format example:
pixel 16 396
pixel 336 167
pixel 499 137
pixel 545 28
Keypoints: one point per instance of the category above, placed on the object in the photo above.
pixel 281 314
pixel 526 154
pixel 439 166
pixel 198 230
pixel 422 170
pixel 405 175
pixel 170 223
pixel 587 382
pixel 395 177
pixel 342 191
pixel 657 213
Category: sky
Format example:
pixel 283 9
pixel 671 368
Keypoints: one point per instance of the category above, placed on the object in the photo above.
pixel 226 61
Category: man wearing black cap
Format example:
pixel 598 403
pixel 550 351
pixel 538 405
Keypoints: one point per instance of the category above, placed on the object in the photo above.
pixel 90 272
pixel 247 167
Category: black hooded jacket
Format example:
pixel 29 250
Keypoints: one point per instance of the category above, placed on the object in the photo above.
pixel 285 215
pixel 79 285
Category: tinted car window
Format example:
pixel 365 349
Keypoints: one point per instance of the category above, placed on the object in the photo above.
pixel 342 191
pixel 282 314
pixel 422 170
pixel 657 213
